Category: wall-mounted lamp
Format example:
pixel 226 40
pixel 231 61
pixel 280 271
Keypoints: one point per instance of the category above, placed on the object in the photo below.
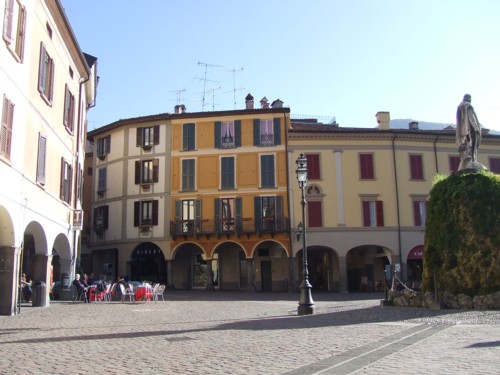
pixel 299 231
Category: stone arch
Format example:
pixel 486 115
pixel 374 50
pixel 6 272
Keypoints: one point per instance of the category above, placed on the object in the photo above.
pixel 366 267
pixel 148 263
pixel 323 266
pixel 7 232
pixel 189 267
pixel 230 269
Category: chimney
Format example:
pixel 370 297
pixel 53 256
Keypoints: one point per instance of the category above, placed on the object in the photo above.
pixel 180 108
pixel 264 103
pixel 413 125
pixel 383 120
pixel 249 101
pixel 277 104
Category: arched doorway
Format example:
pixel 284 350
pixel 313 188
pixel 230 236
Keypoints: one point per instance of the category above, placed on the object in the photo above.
pixel 231 268
pixel 415 265
pixel 366 268
pixel 148 264
pixel 323 268
pixel 190 267
pixel 272 267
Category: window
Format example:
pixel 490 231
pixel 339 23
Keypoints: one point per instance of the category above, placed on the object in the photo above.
pixel 185 215
pixel 145 213
pixel 45 74
pixel 101 218
pixel 69 109
pixel 41 158
pixel 227 134
pixel 101 180
pixel 366 167
pixel 373 213
pixel 146 171
pixel 419 212
pixel 227 172
pixel 269 213
pixel 495 165
pixel 14 27
pixel 188 137
pixel 188 174
pixel 6 131
pixel 148 136
pixel 313 167
pixel 103 146
pixel 416 167
pixel 227 214
pixel 267 132
pixel 454 162
pixel 267 179
pixel 314 214
pixel 66 179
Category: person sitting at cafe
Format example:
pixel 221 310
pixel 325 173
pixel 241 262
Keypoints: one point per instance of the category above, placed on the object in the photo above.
pixel 80 288
pixel 85 281
pixel 26 288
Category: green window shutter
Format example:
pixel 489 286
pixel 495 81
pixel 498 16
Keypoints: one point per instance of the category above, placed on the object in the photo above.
pixel 137 172
pixel 217 141
pixel 256 132
pixel 197 215
pixel 217 216
pixel 238 214
pixel 279 213
pixel 237 133
pixel 155 212
pixel 277 131
pixel 257 213
pixel 156 134
pixel 138 137
pixel 137 212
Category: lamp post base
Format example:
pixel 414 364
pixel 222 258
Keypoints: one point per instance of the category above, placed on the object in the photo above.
pixel 306 303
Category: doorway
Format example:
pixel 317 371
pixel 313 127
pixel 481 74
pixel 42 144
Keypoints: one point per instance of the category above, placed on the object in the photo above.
pixel 266 275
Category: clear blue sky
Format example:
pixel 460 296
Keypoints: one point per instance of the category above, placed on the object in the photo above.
pixel 344 59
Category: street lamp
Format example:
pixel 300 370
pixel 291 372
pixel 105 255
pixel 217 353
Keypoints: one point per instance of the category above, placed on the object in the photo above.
pixel 306 303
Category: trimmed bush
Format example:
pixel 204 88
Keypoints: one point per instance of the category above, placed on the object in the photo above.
pixel 462 234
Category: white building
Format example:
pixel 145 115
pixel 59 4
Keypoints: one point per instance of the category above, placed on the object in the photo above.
pixel 46 85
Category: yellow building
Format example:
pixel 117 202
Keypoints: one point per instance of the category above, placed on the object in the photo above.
pixel 200 203
pixel 367 197
pixel 47 85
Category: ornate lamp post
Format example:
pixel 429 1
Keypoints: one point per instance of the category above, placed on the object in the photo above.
pixel 306 303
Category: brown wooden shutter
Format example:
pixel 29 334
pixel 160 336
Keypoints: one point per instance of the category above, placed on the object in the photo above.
pixel 380 213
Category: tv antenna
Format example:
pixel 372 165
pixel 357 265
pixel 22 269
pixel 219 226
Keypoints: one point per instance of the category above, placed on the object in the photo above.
pixel 206 65
pixel 213 90
pixel 234 70
pixel 178 94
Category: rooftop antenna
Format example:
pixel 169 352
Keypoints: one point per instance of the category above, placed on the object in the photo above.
pixel 178 94
pixel 212 89
pixel 205 80
pixel 234 70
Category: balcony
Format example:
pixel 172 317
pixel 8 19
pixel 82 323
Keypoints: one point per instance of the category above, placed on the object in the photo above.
pixel 245 226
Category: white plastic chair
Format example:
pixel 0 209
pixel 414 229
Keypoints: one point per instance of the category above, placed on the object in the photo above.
pixel 127 292
pixel 159 292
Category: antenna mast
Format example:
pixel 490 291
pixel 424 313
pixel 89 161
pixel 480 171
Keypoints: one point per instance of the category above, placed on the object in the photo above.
pixel 234 70
pixel 205 80
pixel 178 94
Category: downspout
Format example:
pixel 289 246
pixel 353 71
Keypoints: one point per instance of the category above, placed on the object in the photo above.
pixel 291 284
pixel 435 154
pixel 397 199
pixel 77 156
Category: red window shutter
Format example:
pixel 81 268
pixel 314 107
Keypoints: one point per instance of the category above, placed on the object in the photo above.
pixel 380 214
pixel 366 166
pixel 314 214
pixel 416 214
pixel 366 214
pixel 156 134
pixel 154 220
pixel 313 169
pixel 416 167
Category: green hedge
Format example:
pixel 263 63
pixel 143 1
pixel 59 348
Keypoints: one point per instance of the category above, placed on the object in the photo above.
pixel 462 234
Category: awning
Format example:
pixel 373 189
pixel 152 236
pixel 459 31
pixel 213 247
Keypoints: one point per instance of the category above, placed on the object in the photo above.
pixel 416 253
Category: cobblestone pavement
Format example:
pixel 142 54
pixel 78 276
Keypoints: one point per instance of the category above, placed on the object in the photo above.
pixel 248 333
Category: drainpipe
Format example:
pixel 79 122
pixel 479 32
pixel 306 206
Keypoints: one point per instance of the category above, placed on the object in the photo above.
pixel 435 153
pixel 291 284
pixel 397 199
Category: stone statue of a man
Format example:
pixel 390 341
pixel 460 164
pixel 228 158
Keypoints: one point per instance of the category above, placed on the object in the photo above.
pixel 468 135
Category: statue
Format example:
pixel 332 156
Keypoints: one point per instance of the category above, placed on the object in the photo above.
pixel 468 135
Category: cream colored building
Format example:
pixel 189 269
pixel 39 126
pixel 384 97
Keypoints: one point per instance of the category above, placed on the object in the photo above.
pixel 47 85
pixel 367 197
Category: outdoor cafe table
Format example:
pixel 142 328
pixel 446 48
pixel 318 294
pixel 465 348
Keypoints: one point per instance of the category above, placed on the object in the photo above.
pixel 143 293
